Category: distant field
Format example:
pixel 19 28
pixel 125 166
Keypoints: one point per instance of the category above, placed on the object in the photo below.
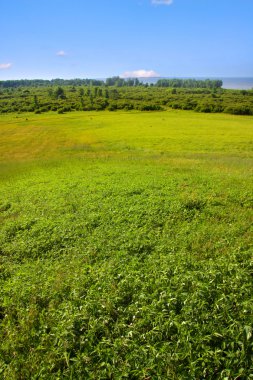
pixel 123 134
pixel 126 246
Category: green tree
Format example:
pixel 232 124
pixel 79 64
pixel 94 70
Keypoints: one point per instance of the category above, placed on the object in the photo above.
pixel 81 92
pixel 36 102
pixel 60 93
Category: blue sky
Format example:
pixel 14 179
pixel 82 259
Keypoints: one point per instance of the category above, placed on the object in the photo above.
pixel 101 38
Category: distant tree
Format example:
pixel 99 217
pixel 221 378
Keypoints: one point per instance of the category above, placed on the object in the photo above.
pixel 82 103
pixel 115 81
pixel 59 93
pixel 81 92
pixel 114 94
pixel 36 102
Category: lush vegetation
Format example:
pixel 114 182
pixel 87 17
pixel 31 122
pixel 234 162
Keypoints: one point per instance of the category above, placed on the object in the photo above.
pixel 118 94
pixel 126 245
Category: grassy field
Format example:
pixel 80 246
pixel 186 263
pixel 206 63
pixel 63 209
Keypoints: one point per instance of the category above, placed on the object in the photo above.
pixel 126 246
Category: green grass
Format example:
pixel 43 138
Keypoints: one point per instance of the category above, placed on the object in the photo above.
pixel 126 246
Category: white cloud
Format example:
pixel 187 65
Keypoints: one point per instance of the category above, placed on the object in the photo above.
pixel 162 2
pixel 61 53
pixel 140 74
pixel 5 66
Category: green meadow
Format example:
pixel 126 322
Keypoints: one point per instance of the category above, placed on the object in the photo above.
pixel 126 246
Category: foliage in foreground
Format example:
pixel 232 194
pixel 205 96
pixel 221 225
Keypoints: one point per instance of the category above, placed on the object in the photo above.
pixel 135 266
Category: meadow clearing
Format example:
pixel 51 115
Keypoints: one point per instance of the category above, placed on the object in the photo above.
pixel 126 246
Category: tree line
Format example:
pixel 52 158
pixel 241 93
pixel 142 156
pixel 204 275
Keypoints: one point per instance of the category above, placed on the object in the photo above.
pixel 115 81
pixel 189 83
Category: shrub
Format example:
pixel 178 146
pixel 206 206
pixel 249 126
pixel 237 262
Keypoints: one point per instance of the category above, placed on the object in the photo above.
pixel 150 107
pixel 239 110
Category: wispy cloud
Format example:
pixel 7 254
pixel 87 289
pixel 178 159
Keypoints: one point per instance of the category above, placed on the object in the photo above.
pixel 140 74
pixel 61 53
pixel 162 2
pixel 5 66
